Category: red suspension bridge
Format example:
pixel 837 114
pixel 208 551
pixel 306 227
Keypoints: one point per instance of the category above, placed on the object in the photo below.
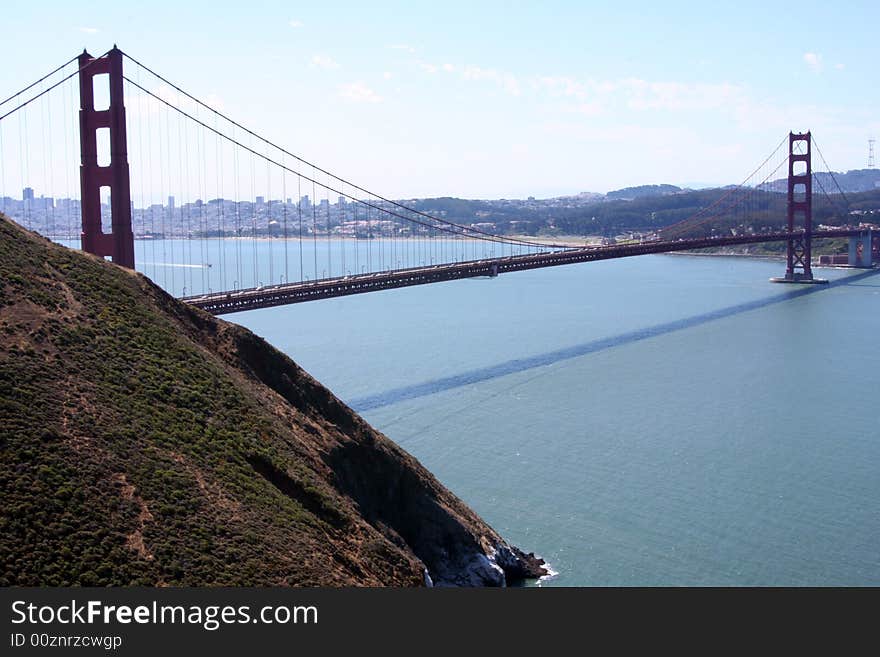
pixel 173 187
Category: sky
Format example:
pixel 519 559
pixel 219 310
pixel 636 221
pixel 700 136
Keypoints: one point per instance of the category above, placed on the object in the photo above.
pixel 499 99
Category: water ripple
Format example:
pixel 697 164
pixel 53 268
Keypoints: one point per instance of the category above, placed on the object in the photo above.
pixel 514 366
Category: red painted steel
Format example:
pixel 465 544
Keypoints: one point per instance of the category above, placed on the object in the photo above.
pixel 219 303
pixel 800 249
pixel 119 244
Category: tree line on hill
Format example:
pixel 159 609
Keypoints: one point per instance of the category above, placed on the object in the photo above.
pixel 743 209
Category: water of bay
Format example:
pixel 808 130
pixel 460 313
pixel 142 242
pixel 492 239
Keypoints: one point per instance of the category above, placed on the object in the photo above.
pixel 658 420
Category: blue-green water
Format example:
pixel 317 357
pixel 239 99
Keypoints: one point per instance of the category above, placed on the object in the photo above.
pixel 649 421
pixel 190 267
pixel 657 420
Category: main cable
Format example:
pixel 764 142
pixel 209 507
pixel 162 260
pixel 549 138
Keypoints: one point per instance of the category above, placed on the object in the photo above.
pixel 723 197
pixel 48 89
pixel 487 236
pixel 342 180
pixel 48 75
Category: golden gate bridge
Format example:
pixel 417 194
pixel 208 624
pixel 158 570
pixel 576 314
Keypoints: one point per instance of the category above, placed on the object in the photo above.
pixel 139 136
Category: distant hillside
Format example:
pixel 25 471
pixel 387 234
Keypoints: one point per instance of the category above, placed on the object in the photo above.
pixel 630 193
pixel 857 180
pixel 582 215
pixel 145 442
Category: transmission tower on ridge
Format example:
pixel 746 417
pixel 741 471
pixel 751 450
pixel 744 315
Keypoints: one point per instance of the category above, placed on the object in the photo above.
pixel 870 153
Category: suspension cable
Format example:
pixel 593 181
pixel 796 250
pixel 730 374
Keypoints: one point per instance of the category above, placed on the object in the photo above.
pixel 30 86
pixel 342 180
pixel 452 226
pixel 48 89
pixel 723 197
pixel 830 172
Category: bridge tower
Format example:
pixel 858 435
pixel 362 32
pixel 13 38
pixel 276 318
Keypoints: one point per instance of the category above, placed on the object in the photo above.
pixel 119 244
pixel 800 211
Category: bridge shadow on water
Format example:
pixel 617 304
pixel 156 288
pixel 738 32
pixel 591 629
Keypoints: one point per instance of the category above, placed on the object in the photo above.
pixel 396 395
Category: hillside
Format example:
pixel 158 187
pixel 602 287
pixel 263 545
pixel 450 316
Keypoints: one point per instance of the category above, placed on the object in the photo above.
pixel 651 207
pixel 143 442
pixel 630 193
pixel 853 181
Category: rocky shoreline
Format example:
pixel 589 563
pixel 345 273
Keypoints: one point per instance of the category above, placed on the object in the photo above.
pixel 501 565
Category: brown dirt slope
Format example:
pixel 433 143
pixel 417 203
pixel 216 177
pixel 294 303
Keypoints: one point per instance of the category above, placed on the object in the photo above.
pixel 145 442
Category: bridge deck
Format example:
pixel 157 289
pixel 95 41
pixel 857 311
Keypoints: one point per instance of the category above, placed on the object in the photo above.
pixel 219 303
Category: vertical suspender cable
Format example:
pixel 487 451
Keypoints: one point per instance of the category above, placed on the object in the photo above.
pixel 67 163
pixel 269 246
pixel 238 265
pixel 394 260
pixel 369 241
pixel 329 238
pixel 357 246
pixel 4 191
pixel 342 237
pixel 199 204
pixel 221 215
pixel 182 203
pixel 166 192
pixel 22 123
pixel 256 280
pixel 284 200
pixel 49 192
pixel 314 228
pixel 152 146
pixel 299 211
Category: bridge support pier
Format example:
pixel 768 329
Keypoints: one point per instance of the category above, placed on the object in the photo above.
pixel 800 210
pixel 860 250
pixel 118 244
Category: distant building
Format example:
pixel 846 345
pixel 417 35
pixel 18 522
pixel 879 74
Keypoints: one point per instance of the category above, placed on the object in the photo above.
pixel 170 202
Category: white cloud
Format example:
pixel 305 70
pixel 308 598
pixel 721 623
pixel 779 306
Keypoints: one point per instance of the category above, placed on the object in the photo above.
pixel 587 109
pixel 387 75
pixel 507 81
pixel 427 67
pixel 89 30
pixel 839 67
pixel 594 97
pixel 358 92
pixel 322 61
pixel 590 97
pixel 140 104
pixel 679 96
pixel 402 46
pixel 814 61
pixel 295 24
pixel 561 86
